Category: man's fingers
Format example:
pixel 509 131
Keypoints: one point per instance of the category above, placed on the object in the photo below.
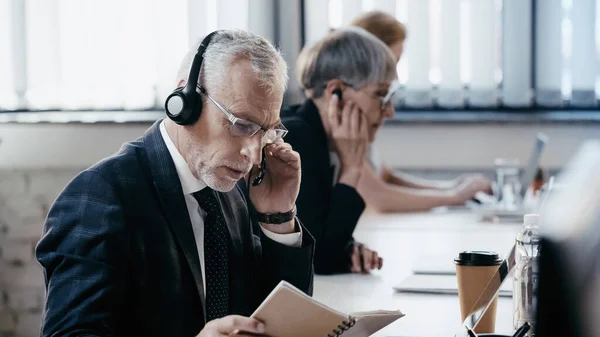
pixel 287 155
pixel 243 334
pixel 280 149
pixel 282 145
pixel 229 324
pixel 284 153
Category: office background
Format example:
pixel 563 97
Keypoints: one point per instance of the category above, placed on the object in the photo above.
pixel 80 77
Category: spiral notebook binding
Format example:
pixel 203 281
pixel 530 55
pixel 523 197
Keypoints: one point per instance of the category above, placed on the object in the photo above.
pixel 341 328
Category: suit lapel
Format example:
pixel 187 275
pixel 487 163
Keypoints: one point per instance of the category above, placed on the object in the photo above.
pixel 170 192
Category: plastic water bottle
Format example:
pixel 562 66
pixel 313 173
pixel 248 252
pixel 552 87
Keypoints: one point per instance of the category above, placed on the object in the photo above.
pixel 526 272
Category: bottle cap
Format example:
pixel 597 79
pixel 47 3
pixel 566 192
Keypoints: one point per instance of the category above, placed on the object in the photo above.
pixel 531 220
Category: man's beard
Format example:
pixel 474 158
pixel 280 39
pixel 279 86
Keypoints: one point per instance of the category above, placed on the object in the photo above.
pixel 205 169
pixel 209 176
pixel 207 173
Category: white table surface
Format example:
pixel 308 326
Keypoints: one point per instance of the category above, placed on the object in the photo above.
pixel 402 239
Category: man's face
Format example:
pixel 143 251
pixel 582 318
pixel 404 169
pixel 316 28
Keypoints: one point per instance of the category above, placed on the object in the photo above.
pixel 213 152
pixel 369 99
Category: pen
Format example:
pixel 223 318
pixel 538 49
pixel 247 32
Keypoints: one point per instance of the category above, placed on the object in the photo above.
pixel 522 330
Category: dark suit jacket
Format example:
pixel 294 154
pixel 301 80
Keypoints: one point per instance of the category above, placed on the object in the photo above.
pixel 120 259
pixel 330 212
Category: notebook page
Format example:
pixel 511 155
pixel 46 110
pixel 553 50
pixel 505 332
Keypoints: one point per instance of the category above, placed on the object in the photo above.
pixel 368 324
pixel 288 312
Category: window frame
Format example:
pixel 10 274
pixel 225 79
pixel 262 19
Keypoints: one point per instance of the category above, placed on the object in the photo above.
pixel 280 35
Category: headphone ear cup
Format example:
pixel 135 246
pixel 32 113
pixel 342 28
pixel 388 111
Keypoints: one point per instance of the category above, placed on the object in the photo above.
pixel 183 109
pixel 176 105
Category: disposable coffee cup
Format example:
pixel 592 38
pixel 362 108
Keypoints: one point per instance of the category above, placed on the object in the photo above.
pixel 474 270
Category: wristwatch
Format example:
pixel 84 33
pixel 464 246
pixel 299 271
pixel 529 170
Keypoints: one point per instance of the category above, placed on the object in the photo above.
pixel 275 218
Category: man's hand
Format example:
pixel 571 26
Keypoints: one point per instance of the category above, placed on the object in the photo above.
pixel 233 325
pixel 469 187
pixel 350 138
pixel 280 187
pixel 364 259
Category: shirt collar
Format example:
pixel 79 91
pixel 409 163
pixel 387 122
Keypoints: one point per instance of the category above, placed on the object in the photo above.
pixel 189 183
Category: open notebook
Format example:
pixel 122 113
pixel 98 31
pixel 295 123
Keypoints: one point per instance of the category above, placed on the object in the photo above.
pixel 288 312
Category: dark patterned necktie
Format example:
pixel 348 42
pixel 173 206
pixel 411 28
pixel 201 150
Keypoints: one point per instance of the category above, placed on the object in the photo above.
pixel 215 255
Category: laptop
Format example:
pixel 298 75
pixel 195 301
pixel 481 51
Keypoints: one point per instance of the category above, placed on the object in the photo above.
pixel 494 206
pixel 439 284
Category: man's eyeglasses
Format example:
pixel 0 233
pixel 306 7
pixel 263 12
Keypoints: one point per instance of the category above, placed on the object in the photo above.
pixel 244 128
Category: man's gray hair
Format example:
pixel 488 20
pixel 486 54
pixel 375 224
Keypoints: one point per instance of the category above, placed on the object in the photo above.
pixel 351 54
pixel 230 45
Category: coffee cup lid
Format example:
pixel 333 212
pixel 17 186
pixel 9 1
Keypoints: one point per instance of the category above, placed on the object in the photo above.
pixel 478 258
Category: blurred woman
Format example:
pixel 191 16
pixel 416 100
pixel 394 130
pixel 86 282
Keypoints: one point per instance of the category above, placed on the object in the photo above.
pixel 386 189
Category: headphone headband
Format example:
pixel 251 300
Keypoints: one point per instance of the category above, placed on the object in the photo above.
pixel 194 74
pixel 184 105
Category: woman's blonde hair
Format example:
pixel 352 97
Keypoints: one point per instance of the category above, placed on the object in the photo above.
pixel 383 25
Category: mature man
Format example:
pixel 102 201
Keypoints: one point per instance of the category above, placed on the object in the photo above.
pixel 164 238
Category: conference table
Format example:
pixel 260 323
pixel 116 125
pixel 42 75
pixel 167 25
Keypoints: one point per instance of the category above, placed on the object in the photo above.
pixel 404 240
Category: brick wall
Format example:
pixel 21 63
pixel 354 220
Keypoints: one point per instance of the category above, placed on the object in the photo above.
pixel 25 197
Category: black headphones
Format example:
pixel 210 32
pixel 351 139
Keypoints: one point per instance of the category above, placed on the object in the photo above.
pixel 184 105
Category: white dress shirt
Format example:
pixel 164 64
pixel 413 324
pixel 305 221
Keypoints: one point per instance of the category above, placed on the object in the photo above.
pixel 190 185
